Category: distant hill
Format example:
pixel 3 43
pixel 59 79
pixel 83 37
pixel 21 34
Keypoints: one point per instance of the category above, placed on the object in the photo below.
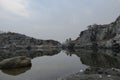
pixel 9 39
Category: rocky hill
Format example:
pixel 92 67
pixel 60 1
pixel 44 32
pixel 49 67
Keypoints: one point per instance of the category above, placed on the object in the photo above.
pixel 101 36
pixel 10 39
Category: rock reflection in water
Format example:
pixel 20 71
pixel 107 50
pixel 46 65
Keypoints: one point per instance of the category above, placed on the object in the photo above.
pixel 15 72
pixel 100 58
pixel 4 54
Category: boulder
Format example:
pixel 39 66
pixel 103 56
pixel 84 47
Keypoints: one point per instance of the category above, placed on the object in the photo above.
pixel 15 62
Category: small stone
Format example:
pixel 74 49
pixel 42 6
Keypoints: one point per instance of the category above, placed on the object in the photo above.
pixel 108 76
pixel 100 76
pixel 81 70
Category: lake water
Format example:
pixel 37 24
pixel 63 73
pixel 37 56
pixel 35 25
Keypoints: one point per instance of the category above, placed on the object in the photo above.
pixel 46 67
pixel 53 64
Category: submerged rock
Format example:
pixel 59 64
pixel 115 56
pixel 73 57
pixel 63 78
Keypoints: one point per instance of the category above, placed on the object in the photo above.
pixel 16 71
pixel 15 62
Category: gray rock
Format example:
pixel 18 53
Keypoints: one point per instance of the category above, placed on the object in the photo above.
pixel 93 74
pixel 15 62
pixel 102 35
pixel 13 41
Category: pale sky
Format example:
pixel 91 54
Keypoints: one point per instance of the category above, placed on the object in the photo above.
pixel 55 19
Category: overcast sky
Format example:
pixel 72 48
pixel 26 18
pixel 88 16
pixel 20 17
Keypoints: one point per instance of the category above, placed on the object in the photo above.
pixel 55 19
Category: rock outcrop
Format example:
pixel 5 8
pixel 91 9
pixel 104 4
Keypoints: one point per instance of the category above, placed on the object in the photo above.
pixel 102 36
pixel 15 62
pixel 16 41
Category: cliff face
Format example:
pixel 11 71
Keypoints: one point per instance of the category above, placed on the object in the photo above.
pixel 104 36
pixel 8 39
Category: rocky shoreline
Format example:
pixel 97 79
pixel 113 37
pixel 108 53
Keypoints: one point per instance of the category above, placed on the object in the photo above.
pixel 95 74
pixel 98 36
pixel 103 64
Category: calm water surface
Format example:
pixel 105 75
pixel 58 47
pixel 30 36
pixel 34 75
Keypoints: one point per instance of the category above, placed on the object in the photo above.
pixel 53 64
pixel 46 67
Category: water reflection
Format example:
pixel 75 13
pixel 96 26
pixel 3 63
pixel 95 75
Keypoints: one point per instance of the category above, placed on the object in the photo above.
pixel 46 65
pixel 15 72
pixel 4 54
pixel 49 65
pixel 100 58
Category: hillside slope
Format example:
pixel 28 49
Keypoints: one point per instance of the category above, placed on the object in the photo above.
pixel 103 36
pixel 9 39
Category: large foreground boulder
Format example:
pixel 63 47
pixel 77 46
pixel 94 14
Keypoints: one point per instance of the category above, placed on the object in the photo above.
pixel 15 62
